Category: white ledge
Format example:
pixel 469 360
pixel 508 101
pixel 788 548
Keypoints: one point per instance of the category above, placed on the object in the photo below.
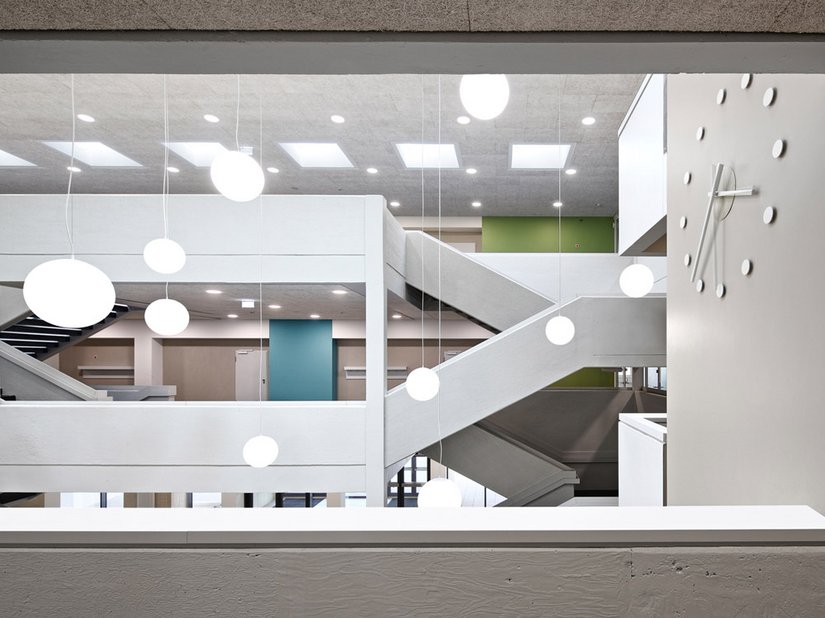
pixel 540 527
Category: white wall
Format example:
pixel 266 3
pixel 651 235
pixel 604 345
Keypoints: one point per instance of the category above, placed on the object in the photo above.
pixel 745 412
pixel 642 448
pixel 642 170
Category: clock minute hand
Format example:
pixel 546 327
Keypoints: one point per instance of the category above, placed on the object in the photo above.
pixel 717 178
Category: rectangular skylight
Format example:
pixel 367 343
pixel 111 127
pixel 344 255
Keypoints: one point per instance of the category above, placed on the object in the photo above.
pixel 96 154
pixel 199 154
pixel 538 156
pixel 9 160
pixel 317 155
pixel 416 156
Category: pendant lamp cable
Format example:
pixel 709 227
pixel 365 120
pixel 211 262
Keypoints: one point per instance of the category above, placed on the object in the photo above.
pixel 237 111
pixel 165 192
pixel 561 204
pixel 438 360
pixel 260 269
pixel 70 229
pixel 422 220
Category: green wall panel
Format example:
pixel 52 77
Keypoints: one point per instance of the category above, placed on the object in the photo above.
pixel 541 234
pixel 302 360
pixel 585 378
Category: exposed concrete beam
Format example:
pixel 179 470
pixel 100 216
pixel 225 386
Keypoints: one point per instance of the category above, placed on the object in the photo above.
pixel 163 51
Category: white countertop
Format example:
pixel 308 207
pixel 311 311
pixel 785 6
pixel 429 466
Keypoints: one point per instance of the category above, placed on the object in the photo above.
pixel 480 527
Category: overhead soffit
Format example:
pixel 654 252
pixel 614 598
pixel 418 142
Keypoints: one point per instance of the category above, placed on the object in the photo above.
pixel 790 16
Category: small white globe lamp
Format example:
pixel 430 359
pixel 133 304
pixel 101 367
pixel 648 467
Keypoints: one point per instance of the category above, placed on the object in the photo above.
pixel 636 280
pixel 260 451
pixel 423 384
pixel 439 493
pixel 560 330
pixel 69 292
pixel 237 176
pixel 166 317
pixel 164 256
pixel 484 96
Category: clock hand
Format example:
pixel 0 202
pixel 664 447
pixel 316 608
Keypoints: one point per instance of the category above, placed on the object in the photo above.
pixel 717 178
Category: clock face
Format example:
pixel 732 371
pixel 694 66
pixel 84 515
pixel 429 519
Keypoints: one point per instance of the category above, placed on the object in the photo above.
pixel 706 222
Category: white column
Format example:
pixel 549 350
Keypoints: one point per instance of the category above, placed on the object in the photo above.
pixel 376 347
pixel 148 359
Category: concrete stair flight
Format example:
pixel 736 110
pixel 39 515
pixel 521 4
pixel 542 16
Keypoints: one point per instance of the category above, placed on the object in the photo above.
pixel 513 364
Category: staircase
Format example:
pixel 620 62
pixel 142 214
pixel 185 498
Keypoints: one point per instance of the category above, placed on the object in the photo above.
pixel 40 340
pixel 513 364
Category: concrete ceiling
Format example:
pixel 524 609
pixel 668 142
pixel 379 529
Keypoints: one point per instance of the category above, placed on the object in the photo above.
pixel 297 302
pixel 419 15
pixel 380 110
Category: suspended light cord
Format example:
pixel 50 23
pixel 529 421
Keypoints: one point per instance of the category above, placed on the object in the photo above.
pixel 237 112
pixel 70 229
pixel 561 204
pixel 165 190
pixel 422 220
pixel 260 269
pixel 438 402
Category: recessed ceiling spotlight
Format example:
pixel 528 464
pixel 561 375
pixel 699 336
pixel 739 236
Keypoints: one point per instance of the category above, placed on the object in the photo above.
pixel 395 204
pixel 463 120
pixel 570 171
pixel 274 306
pixel 72 168
pixel 272 170
pixel 172 169
pixel 397 316
pixel 476 204
pixel 557 204
pixel 211 118
pixel 314 316
pixel 339 292
pixel 232 315
pixel 85 118
pixel 588 120
pixel 471 170
pixel 337 119
pixel 372 170
pixel 214 292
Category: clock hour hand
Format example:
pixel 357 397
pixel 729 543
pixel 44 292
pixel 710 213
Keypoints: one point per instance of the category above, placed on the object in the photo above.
pixel 717 178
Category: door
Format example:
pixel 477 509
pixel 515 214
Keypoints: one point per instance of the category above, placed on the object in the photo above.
pixel 251 373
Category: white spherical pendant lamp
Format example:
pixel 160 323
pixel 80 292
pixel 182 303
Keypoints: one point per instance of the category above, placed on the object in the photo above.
pixel 423 384
pixel 484 96
pixel 69 293
pixel 237 176
pixel 636 280
pixel 164 256
pixel 560 330
pixel 439 493
pixel 260 451
pixel 166 317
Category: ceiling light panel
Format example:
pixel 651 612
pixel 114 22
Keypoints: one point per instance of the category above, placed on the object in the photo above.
pixel 323 155
pixel 538 156
pixel 9 160
pixel 96 154
pixel 428 156
pixel 199 154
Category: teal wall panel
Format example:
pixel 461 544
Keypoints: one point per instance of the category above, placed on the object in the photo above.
pixel 302 360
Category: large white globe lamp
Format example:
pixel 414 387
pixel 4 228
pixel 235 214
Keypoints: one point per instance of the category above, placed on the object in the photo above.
pixel 260 451
pixel 560 330
pixel 166 317
pixel 636 280
pixel 164 256
pixel 69 292
pixel 439 493
pixel 423 384
pixel 484 96
pixel 237 176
